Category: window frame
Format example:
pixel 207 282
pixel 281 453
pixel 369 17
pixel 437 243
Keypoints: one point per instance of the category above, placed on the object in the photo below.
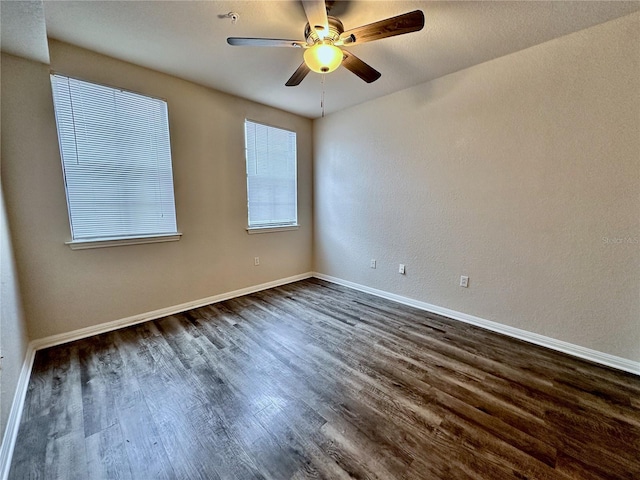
pixel 271 228
pixel 115 240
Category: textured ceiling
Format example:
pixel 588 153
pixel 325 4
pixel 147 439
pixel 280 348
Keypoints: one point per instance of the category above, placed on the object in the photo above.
pixel 188 39
pixel 23 30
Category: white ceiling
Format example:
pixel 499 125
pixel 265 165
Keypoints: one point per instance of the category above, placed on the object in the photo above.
pixel 188 39
pixel 23 30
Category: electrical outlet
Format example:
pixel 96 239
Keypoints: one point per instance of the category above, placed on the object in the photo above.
pixel 373 263
pixel 401 269
pixel 464 281
pixel 256 261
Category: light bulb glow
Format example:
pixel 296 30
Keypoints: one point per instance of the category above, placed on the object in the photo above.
pixel 323 57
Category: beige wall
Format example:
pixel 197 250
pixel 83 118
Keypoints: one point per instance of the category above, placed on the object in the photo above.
pixel 64 290
pixel 514 172
pixel 13 330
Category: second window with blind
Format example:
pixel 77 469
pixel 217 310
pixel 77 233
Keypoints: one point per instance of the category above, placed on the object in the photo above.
pixel 271 177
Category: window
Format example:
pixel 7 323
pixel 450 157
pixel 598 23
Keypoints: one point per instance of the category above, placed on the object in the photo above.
pixel 271 176
pixel 116 159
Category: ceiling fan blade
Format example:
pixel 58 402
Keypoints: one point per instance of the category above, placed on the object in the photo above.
pixel 361 69
pixel 264 42
pixel 298 75
pixel 405 23
pixel 316 12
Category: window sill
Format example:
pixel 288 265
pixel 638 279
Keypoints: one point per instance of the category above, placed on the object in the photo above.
pixel 116 242
pixel 284 228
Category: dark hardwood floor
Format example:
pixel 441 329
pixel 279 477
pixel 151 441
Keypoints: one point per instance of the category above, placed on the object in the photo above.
pixel 314 380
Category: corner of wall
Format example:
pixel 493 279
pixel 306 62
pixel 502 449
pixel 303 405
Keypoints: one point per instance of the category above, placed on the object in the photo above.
pixel 17 354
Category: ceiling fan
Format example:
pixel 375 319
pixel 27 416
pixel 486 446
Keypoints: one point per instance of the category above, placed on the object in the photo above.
pixel 325 40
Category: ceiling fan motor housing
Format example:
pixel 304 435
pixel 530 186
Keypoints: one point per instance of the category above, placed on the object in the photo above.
pixel 335 29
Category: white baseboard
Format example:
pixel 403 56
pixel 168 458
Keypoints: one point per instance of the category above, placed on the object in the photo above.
pixel 548 342
pixel 15 414
pixel 81 333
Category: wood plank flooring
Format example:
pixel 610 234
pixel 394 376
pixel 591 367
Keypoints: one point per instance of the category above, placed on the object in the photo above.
pixel 313 380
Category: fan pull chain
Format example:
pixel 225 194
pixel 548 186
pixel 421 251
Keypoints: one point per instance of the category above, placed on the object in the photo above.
pixel 322 98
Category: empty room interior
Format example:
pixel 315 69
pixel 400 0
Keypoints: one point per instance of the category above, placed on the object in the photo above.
pixel 284 239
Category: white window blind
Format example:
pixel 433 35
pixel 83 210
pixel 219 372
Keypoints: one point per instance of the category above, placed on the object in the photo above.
pixel 116 158
pixel 271 176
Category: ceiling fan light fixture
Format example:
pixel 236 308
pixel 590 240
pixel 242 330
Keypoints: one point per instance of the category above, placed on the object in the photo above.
pixel 323 57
